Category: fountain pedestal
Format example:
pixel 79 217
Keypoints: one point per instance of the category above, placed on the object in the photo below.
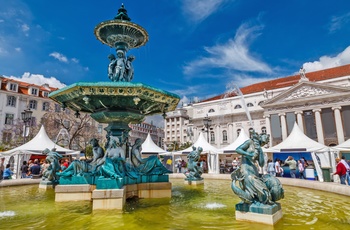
pixel 104 199
pixel 265 214
pixel 194 182
pixel 46 185
pixel 73 192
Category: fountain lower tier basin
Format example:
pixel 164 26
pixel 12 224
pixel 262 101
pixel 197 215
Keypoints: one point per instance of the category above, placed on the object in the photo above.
pixel 116 101
pixel 210 206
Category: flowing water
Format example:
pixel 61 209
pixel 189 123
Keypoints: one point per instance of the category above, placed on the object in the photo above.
pixel 211 206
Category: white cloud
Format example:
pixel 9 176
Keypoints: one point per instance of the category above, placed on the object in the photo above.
pixel 337 22
pixel 198 10
pixel 326 62
pixel 233 55
pixel 25 28
pixel 18 49
pixel 59 57
pixel 39 79
pixel 75 60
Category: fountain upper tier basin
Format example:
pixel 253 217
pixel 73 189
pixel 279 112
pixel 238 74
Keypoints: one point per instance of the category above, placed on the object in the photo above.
pixel 116 101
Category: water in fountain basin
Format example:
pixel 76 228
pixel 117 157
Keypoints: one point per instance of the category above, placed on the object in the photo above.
pixel 211 206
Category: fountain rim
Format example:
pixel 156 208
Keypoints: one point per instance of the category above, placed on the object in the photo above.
pixel 110 84
pixel 114 22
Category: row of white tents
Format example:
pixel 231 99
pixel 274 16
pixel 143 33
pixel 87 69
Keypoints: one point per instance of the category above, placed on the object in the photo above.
pixel 297 141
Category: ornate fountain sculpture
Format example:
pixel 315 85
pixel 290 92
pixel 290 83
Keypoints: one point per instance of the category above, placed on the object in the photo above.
pixel 258 193
pixel 117 103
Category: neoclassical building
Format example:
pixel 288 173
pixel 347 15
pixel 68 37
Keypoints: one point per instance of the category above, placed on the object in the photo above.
pixel 319 102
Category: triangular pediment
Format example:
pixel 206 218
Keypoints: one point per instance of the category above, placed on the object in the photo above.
pixel 304 91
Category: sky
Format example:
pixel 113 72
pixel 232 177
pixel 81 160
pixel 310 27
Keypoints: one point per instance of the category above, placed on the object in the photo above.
pixel 196 48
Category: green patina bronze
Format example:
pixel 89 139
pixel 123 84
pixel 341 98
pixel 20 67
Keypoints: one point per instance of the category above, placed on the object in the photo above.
pixel 194 170
pixel 117 103
pixel 258 193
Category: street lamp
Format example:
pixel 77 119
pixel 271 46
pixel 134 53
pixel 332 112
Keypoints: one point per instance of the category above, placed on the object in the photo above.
pixel 26 116
pixel 207 124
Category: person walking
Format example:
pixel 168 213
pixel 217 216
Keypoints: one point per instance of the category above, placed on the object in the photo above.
pixel 7 173
pixel 271 168
pixel 301 169
pixel 341 171
pixel 292 166
pixel 24 170
pixel 2 167
pixel 343 161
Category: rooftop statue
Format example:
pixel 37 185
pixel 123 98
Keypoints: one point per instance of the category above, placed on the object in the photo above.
pixel 193 166
pixel 246 182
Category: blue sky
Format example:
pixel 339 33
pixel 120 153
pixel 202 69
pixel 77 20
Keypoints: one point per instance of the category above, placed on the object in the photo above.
pixel 196 47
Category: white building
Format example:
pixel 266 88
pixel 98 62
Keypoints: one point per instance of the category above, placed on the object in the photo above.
pixel 17 96
pixel 318 101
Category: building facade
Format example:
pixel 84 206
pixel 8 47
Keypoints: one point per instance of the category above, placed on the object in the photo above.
pixel 141 131
pixel 319 102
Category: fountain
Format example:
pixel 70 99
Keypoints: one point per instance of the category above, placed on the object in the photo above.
pixel 117 103
pixel 201 207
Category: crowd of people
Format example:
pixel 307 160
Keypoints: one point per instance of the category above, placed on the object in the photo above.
pixel 34 168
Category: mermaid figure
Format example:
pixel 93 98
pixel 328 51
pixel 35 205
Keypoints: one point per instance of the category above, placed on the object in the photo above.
pixel 251 187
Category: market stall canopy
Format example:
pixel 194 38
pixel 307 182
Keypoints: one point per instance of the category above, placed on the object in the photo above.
pixel 201 142
pixel 149 147
pixel 345 146
pixel 298 141
pixel 242 137
pixel 40 142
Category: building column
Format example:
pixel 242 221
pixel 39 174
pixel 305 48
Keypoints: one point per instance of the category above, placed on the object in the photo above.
pixel 283 125
pixel 195 134
pixel 338 124
pixel 230 133
pixel 217 136
pixel 319 127
pixel 300 120
pixel 268 127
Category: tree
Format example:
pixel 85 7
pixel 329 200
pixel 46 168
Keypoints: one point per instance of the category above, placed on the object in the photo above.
pixel 80 129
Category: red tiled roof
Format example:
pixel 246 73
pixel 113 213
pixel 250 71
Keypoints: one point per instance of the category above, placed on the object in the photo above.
pixel 289 81
pixel 23 87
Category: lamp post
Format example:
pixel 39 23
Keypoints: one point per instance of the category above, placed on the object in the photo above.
pixel 26 116
pixel 207 124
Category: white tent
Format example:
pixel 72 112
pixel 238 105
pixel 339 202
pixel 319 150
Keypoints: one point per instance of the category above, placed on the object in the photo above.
pixel 345 146
pixel 297 141
pixel 233 146
pixel 149 147
pixel 213 162
pixel 35 146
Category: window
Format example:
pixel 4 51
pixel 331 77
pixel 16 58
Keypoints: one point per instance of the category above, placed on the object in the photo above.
pixel 33 104
pixel 9 119
pixel 263 129
pixel 260 103
pixel 212 136
pixel 224 136
pixel 34 91
pixel 6 137
pixel 238 106
pixel 250 104
pixel 100 127
pixel 13 87
pixel 211 111
pixel 66 124
pixel 32 121
pixel 46 106
pixel 57 108
pixel 11 101
pixel 238 132
pixel 46 94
